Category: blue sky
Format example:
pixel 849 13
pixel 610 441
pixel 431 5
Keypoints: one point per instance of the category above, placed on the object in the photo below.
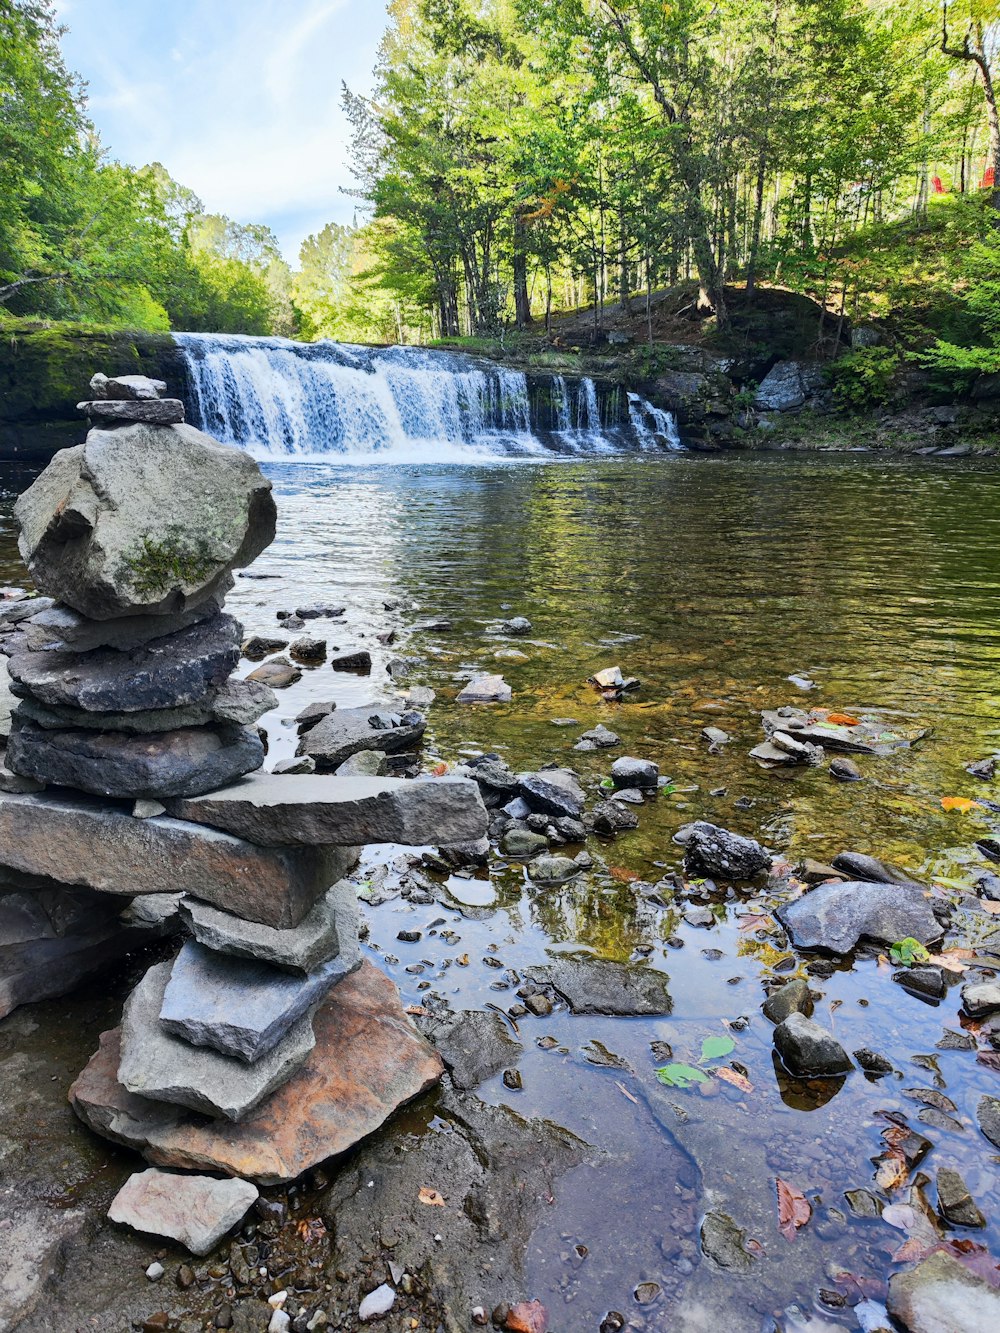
pixel 239 99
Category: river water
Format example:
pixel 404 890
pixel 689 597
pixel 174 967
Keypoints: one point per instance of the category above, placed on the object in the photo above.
pixel 714 580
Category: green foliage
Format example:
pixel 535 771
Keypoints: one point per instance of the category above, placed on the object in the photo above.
pixel 154 566
pixel 714 1048
pixel 904 953
pixel 681 1076
pixel 863 379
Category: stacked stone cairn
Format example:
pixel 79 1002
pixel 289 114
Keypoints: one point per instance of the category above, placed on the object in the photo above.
pixel 132 769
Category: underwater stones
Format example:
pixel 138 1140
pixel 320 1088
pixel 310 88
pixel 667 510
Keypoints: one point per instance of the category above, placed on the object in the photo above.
pixel 808 1050
pixel 835 916
pixel 714 851
pixel 368 1061
pixel 553 791
pixel 988 1116
pixel 239 1007
pixel 143 518
pixel 162 1067
pixel 169 672
pixel 195 1211
pixel 600 986
pixel 162 764
pixel 294 809
pixel 156 412
pixel 337 736
pixel 517 626
pixel 522 844
pixel 553 869
pixel 87 843
pixel 956 1204
pixel 485 690
pixel 941 1295
pixel 858 866
pixel 328 930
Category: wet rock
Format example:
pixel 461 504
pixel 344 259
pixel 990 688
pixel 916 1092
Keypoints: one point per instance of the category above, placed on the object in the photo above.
pixel 553 791
pixel 873 1063
pixel 713 851
pixel 259 646
pixel 611 818
pixel 276 674
pixel 86 843
pixel 158 1066
pixel 346 811
pixel 942 1294
pixel 791 998
pixel 303 764
pixel 988 1115
pixel 175 512
pixel 485 690
pixel 954 1200
pixel 495 780
pixel 816 872
pixel 358 660
pixel 523 844
pixel 239 1007
pixel 599 986
pixel 539 1005
pixel 640 773
pixel 517 625
pixel 989 847
pixel 337 736
pixel 984 769
pixel 473 1044
pixel 847 740
pixel 185 762
pixel 716 737
pixel 808 1050
pixel 363 764
pixel 419 696
pixel 845 770
pixel 368 1060
pixel 927 982
pixel 196 1211
pixel 699 916
pixel 956 1041
pixel 312 713
pixel 981 998
pixel 857 866
pixel 725 1242
pixel 320 611
pixel 527 1317
pixel 552 869
pixel 835 917
pixel 309 651
pixel 160 412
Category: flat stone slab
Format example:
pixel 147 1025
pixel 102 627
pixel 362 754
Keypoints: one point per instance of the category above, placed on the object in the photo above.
pixel 941 1295
pixel 181 668
pixel 337 736
pixel 835 916
pixel 155 1064
pixel 196 1211
pixel 238 701
pixel 155 411
pixel 100 846
pixel 239 1007
pixel 186 762
pixel 143 519
pixel 599 986
pixel 57 627
pixel 311 808
pixel 474 1044
pixel 553 791
pixel 368 1061
pixel 330 929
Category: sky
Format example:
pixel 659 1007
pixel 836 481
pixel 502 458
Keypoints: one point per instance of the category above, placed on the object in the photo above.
pixel 239 99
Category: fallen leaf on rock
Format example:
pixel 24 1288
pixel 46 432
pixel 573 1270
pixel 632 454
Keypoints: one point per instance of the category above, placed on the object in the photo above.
pixel 891 1172
pixel 730 1076
pixel 431 1197
pixel 843 720
pixel 961 803
pixel 794 1210
pixel 416 1010
pixel 439 770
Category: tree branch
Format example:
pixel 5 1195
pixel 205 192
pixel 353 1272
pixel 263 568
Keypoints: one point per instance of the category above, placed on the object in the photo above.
pixel 12 288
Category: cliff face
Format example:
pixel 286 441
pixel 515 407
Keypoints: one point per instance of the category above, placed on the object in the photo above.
pixel 44 373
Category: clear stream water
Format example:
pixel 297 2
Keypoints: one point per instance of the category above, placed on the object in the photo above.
pixel 713 580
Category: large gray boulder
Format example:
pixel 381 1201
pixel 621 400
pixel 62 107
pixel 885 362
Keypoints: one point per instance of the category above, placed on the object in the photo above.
pixel 337 736
pixel 143 518
pixel 165 1068
pixel 310 808
pixel 162 764
pixel 182 668
pixel 789 386
pixel 835 916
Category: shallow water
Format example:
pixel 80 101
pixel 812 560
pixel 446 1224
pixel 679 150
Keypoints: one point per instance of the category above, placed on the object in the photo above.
pixel 712 580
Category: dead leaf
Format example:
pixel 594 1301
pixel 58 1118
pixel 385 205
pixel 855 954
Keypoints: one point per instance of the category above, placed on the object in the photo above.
pixel 891 1172
pixel 794 1210
pixel 843 720
pixel 953 960
pixel 431 1197
pixel 416 1010
pixel 962 803
pixel 731 1076
pixel 622 874
pixel 625 1092
pixel 439 770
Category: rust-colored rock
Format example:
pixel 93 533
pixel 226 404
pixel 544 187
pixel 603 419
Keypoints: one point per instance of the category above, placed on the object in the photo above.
pixel 528 1317
pixel 368 1061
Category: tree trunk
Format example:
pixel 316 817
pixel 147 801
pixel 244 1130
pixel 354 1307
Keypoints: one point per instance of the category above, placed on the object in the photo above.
pixel 522 299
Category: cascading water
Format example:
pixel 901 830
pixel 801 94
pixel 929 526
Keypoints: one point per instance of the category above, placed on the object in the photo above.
pixel 285 400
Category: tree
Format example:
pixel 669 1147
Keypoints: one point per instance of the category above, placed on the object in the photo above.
pixel 976 23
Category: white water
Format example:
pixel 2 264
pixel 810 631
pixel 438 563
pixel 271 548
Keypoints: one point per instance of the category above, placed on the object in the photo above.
pixel 336 401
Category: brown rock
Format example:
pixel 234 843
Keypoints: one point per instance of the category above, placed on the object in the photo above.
pixel 278 673
pixel 367 1062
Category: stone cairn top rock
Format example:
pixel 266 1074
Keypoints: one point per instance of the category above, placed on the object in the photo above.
pixel 121 690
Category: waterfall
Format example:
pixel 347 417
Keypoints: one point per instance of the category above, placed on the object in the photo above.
pixel 285 400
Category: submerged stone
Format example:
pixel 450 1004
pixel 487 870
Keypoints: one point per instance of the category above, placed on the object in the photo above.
pixel 143 519
pixel 474 1045
pixel 553 791
pixel 368 1061
pixel 715 851
pixel 791 998
pixel 157 1065
pixel 485 690
pixel 942 1294
pixel 196 1211
pixel 836 916
pixel 600 986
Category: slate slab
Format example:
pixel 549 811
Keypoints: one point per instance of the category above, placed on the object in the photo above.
pixel 311 808
pixel 474 1044
pixel 835 916
pixel 196 1211
pixel 368 1061
pixel 158 412
pixel 99 846
pixel 553 791
pixel 337 736
pixel 55 626
pixel 238 701
pixel 599 986
pixel 239 1007
pixel 329 929
pixel 158 1065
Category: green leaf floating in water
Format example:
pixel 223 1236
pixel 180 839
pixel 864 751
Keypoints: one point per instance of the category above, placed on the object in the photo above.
pixel 907 952
pixel 681 1076
pixel 714 1048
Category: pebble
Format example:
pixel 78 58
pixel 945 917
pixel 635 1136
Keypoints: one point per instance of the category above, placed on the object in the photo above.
pixel 155 1271
pixel 376 1303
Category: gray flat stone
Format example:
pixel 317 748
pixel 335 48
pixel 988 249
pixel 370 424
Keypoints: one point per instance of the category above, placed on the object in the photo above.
pixel 311 808
pixel 941 1295
pixel 364 764
pixel 160 1066
pixel 58 627
pixel 130 388
pixel 154 412
pixel 808 1050
pixel 239 701
pixel 240 1007
pixel 162 764
pixel 474 1045
pixel 91 844
pixel 196 1211
pixel 330 929
pixel 553 791
pixel 836 916
pixel 183 668
pixel 337 736
pixel 143 519
pixel 988 1115
pixel 981 998
pixel 599 986
pixel 485 690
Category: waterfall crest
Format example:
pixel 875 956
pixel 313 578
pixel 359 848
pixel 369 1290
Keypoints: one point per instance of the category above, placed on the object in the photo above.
pixel 280 399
